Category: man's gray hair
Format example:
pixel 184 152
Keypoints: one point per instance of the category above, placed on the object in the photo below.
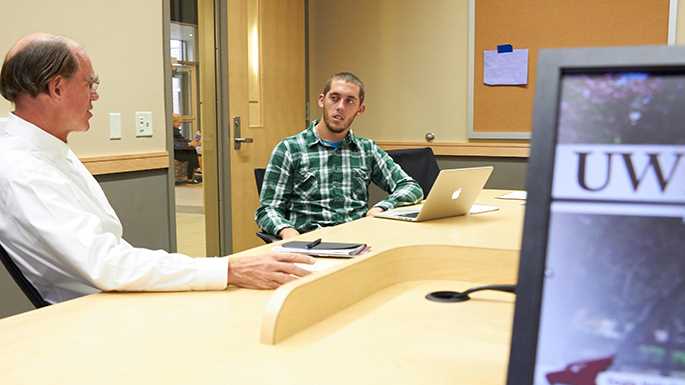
pixel 30 68
pixel 348 77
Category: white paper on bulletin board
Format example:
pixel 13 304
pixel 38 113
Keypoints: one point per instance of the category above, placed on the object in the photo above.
pixel 506 68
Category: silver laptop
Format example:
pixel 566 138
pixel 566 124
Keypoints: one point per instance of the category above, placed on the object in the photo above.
pixel 452 194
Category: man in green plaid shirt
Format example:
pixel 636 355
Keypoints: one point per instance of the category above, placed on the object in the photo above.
pixel 320 177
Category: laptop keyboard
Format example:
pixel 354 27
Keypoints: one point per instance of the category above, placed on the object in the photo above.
pixel 409 215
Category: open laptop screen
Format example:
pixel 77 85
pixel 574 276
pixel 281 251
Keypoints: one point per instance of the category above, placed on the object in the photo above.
pixel 606 302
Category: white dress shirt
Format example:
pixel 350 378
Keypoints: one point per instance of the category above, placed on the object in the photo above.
pixel 58 227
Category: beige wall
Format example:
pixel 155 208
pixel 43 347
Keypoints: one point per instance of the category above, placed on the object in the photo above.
pixel 680 24
pixel 394 45
pixel 411 55
pixel 124 41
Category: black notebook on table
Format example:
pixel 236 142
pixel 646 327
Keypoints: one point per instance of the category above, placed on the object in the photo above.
pixel 323 249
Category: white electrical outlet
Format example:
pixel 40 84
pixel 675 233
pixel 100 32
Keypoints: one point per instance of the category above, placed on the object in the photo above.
pixel 114 125
pixel 143 123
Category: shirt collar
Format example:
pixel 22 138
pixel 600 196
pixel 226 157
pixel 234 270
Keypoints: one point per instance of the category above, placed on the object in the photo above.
pixel 312 137
pixel 35 136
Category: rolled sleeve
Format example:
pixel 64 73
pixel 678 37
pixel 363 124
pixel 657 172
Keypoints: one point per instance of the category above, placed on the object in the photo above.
pixel 271 215
pixel 388 175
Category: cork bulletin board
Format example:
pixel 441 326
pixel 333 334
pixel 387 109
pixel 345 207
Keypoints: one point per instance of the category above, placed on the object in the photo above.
pixel 505 112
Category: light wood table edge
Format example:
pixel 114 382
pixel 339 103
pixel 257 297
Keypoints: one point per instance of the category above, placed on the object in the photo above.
pixel 304 302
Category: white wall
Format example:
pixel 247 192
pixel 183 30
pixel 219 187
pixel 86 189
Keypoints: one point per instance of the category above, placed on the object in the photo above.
pixel 124 41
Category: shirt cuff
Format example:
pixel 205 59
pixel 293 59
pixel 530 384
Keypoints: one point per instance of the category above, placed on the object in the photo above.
pixel 211 273
pixel 384 205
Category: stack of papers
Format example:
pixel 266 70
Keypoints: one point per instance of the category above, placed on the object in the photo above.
pixel 323 249
pixel 514 195
pixel 479 209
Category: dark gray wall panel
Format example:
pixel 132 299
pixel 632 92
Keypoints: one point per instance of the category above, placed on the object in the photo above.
pixel 140 201
pixel 12 300
pixel 509 173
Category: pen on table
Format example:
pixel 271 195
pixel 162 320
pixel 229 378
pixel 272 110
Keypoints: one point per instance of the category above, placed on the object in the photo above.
pixel 313 244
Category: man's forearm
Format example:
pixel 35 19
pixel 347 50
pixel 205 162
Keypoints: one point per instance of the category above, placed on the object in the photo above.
pixel 406 194
pixel 271 220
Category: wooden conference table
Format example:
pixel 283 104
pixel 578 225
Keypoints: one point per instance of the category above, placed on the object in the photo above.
pixel 364 321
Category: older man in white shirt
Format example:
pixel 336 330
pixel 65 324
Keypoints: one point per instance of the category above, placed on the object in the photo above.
pixel 55 221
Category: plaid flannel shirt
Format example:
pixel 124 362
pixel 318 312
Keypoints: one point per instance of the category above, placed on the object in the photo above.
pixel 308 184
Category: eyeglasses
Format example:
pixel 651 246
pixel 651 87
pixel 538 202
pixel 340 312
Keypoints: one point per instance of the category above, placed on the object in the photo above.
pixel 93 84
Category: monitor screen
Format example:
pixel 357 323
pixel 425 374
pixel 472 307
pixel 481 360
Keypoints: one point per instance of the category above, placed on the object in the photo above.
pixel 613 297
pixel 611 306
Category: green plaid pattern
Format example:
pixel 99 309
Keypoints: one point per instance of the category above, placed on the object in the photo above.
pixel 309 185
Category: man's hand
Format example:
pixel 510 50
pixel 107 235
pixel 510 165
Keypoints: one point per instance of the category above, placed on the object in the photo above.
pixel 374 211
pixel 288 232
pixel 267 271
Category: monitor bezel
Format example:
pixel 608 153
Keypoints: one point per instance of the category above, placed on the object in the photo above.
pixel 553 64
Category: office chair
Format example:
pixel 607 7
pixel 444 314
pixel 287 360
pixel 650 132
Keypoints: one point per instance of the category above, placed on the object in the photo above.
pixel 259 179
pixel 420 164
pixel 24 284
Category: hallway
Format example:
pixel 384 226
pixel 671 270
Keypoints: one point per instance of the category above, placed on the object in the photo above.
pixel 190 220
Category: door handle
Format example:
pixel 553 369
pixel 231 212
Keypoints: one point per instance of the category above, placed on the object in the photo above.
pixel 243 140
pixel 237 139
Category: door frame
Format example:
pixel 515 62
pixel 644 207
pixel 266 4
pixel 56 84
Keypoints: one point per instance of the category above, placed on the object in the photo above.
pixel 215 128
pixel 220 142
pixel 168 118
pixel 214 92
pixel 223 124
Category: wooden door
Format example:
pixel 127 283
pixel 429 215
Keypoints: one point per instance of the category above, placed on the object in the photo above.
pixel 266 87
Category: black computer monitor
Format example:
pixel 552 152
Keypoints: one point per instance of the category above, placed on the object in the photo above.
pixel 601 284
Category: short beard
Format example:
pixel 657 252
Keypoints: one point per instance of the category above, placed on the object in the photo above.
pixel 334 129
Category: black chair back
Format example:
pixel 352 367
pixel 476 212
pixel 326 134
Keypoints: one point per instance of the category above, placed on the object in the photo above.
pixel 420 164
pixel 24 284
pixel 259 178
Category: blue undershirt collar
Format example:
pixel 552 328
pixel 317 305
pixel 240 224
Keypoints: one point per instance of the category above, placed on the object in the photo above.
pixel 333 145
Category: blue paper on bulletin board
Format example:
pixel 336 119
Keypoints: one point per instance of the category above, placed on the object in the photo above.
pixel 506 68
